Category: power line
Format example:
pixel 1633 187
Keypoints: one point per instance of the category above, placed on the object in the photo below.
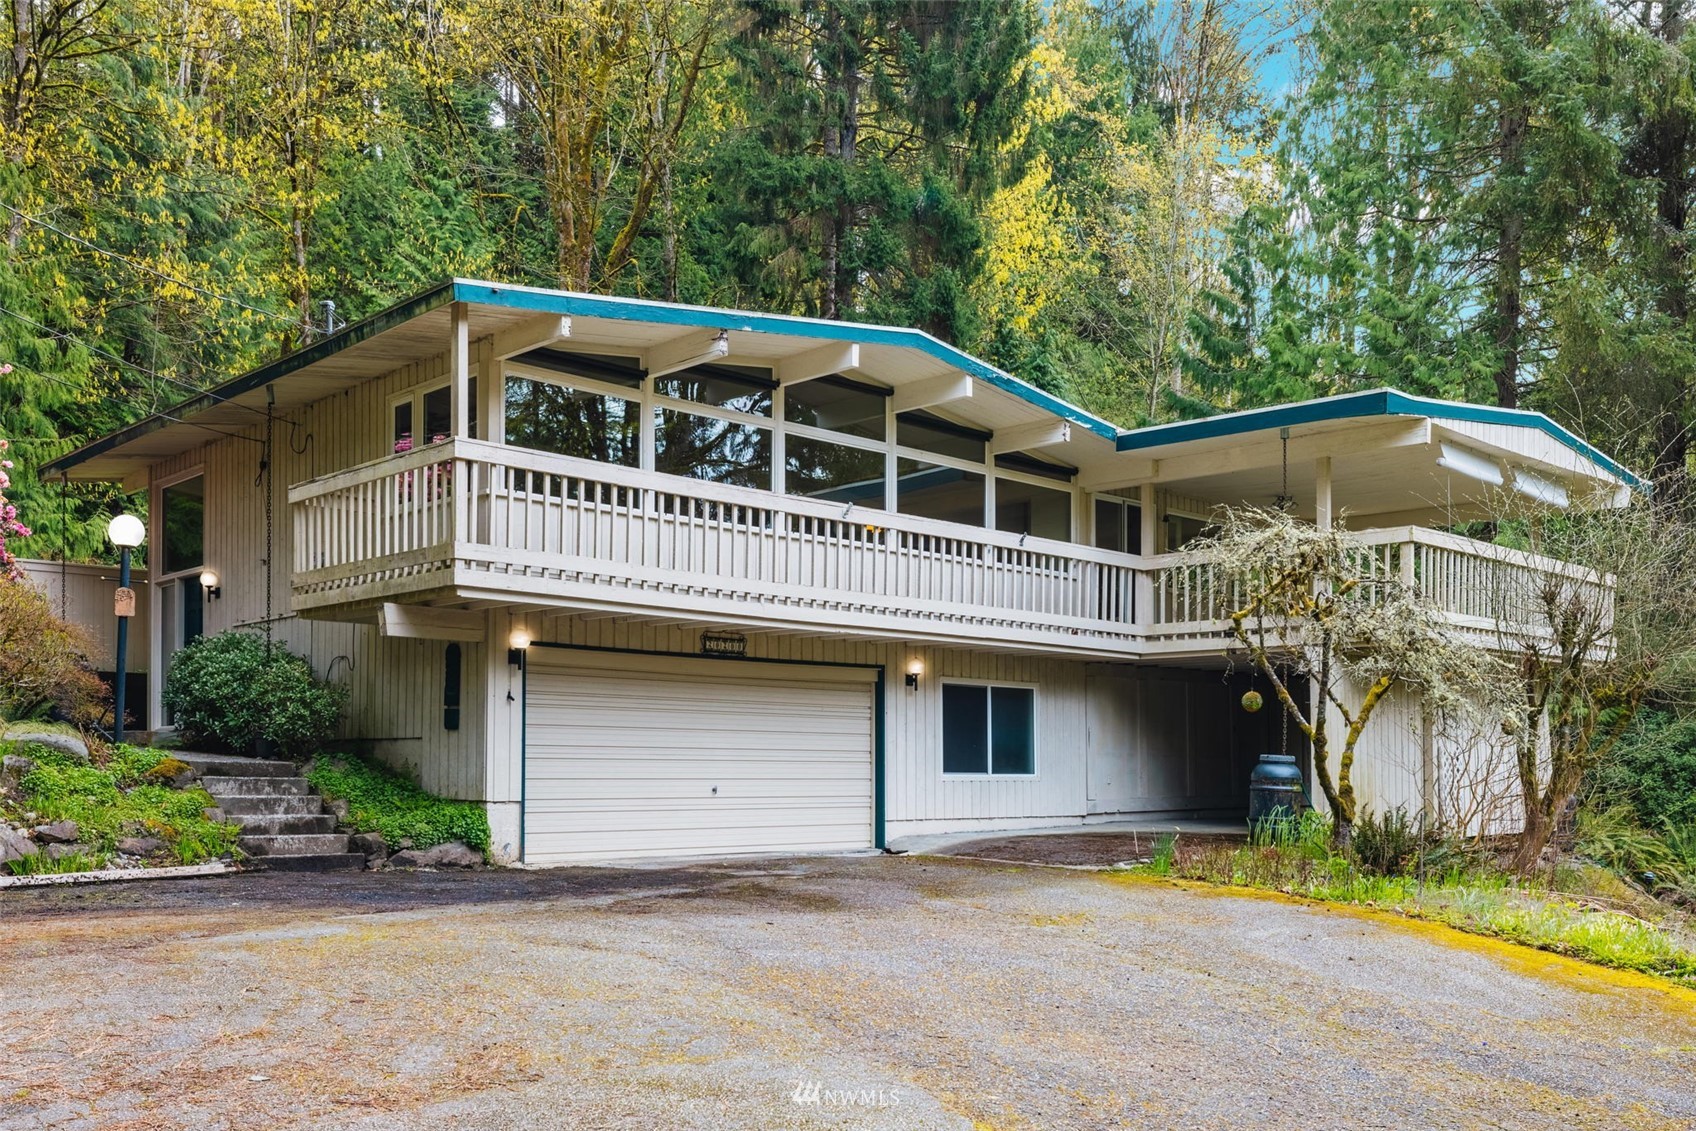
pixel 115 359
pixel 77 388
pixel 154 271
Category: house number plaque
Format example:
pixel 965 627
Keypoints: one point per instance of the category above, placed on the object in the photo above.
pixel 123 602
pixel 723 644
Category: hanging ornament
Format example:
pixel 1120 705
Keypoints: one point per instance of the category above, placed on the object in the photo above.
pixel 1252 701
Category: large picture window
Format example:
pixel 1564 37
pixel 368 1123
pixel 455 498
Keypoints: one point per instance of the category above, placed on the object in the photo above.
pixel 719 386
pixel 573 422
pixel 705 447
pixel 837 405
pixel 833 472
pixel 1025 508
pixel 988 729
pixel 949 494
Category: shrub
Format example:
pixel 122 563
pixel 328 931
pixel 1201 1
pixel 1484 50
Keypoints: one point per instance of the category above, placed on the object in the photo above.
pixel 118 800
pixel 380 800
pixel 1613 838
pixel 44 662
pixel 1388 843
pixel 1653 768
pixel 230 690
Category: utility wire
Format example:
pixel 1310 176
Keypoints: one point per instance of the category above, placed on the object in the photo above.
pixel 78 389
pixel 154 271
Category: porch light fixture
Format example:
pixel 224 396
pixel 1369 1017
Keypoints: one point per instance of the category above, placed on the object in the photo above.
pixel 126 532
pixel 1470 464
pixel 915 668
pixel 519 643
pixel 209 582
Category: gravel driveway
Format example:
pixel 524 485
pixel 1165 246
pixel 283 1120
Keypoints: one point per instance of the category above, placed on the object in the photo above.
pixel 929 992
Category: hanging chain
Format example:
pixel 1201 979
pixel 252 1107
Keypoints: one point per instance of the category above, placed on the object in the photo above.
pixel 1285 500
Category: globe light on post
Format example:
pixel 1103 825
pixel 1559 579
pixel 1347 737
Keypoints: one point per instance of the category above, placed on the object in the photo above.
pixel 126 532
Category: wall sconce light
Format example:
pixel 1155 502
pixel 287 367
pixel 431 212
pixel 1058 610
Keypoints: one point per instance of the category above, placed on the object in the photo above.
pixel 915 668
pixel 209 582
pixel 519 642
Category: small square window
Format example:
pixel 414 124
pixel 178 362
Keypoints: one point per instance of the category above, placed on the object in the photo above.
pixel 988 729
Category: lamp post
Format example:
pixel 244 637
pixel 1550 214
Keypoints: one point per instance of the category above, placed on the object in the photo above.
pixel 126 532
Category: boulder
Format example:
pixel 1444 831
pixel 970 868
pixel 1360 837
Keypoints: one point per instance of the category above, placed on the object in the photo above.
pixel 215 815
pixel 337 807
pixel 64 743
pixel 14 845
pixel 60 851
pixel 451 855
pixel 372 844
pixel 13 767
pixel 59 832
pixel 140 845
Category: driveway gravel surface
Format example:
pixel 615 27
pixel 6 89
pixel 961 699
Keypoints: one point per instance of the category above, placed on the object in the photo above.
pixel 885 992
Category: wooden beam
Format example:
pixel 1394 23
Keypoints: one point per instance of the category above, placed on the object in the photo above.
pixel 933 391
pixel 836 357
pixel 1269 452
pixel 531 334
pixel 459 372
pixel 421 622
pixel 1322 492
pixel 1028 437
pixel 697 348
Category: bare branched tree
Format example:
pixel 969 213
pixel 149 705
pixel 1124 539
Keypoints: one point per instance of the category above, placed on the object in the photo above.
pixel 1319 605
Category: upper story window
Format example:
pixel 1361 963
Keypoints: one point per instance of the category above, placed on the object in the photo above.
pixel 948 494
pixel 988 729
pixel 711 448
pixel 833 472
pixel 1118 524
pixel 941 437
pixel 733 388
pixel 426 416
pixel 1182 529
pixel 585 423
pixel 182 525
pixel 1025 508
pixel 837 404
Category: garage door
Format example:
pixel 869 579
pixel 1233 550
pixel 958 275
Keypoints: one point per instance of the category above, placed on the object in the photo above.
pixel 657 756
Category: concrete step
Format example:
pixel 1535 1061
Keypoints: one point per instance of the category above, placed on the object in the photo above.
pixel 219 785
pixel 228 765
pixel 294 844
pixel 325 862
pixel 286 824
pixel 241 805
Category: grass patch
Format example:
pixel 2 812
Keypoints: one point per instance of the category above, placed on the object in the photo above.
pixel 125 796
pixel 1447 887
pixel 382 801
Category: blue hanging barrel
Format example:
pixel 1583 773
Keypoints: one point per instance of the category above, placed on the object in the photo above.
pixel 1274 790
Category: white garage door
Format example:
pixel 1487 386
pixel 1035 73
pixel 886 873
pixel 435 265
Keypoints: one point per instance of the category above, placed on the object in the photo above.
pixel 658 756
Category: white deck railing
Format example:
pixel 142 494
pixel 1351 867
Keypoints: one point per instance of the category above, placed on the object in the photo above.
pixel 486 521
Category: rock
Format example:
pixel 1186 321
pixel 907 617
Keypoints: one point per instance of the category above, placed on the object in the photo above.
pixel 404 842
pixel 13 767
pixel 59 832
pixel 14 845
pixel 64 743
pixel 60 851
pixel 451 855
pixel 215 815
pixel 140 845
pixel 337 806
pixel 372 844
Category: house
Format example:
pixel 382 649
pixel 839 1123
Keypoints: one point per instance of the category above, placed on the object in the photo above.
pixel 650 579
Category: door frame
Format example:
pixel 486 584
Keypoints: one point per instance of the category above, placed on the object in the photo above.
pixel 879 813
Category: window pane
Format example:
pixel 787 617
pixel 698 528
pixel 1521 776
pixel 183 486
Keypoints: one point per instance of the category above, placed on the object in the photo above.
pixel 1030 465
pixel 833 472
pixel 945 493
pixel 1109 525
pixel 1012 726
pixel 929 434
pixel 403 426
pixel 715 385
pixel 840 406
pixel 609 370
pixel 722 451
pixel 1024 508
pixel 1182 530
pixel 569 422
pixel 438 415
pixel 965 729
pixel 184 524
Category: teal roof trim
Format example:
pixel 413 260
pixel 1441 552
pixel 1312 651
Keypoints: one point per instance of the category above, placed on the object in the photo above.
pixel 645 310
pixel 1373 402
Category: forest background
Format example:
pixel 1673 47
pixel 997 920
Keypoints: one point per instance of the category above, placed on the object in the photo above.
pixel 1156 210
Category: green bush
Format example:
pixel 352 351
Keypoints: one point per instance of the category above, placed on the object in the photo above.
pixel 44 662
pixel 1653 768
pixel 113 801
pixel 230 690
pixel 381 801
pixel 1386 844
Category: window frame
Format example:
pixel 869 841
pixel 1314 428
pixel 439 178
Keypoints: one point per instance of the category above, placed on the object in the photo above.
pixel 415 397
pixel 989 732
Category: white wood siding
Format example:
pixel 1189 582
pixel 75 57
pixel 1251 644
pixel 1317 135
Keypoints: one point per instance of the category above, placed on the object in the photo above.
pixel 87 591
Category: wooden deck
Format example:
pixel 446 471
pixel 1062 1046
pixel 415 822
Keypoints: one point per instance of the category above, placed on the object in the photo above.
pixel 473 523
